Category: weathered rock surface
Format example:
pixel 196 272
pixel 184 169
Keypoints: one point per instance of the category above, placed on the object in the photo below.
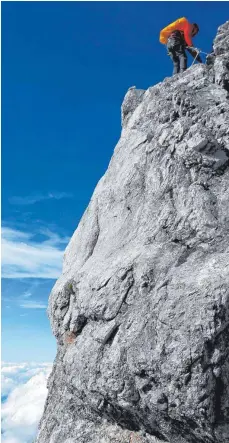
pixel 141 310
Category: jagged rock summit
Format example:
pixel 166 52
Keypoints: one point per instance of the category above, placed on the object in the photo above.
pixel 141 311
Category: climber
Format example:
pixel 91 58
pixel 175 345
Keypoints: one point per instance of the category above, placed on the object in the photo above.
pixel 178 37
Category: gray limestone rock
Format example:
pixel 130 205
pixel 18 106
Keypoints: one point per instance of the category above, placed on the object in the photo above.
pixel 141 311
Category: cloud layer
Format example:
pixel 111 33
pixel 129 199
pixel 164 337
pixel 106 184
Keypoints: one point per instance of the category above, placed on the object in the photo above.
pixel 25 387
pixel 23 257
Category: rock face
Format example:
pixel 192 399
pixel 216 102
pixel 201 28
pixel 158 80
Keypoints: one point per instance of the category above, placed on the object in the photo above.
pixel 141 311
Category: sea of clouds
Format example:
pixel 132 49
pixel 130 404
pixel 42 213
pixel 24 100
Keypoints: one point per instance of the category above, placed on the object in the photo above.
pixel 23 397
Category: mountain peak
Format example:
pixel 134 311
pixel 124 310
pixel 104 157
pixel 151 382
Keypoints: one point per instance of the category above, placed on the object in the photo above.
pixel 140 312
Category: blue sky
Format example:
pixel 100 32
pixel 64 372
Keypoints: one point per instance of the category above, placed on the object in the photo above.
pixel 66 67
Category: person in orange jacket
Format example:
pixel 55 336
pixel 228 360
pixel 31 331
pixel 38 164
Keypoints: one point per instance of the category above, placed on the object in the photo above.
pixel 178 37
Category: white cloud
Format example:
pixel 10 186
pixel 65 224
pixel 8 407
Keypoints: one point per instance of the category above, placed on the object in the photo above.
pixel 13 368
pixel 23 257
pixel 26 294
pixel 33 305
pixel 14 234
pixel 17 373
pixel 25 300
pixel 31 199
pixel 8 384
pixel 25 385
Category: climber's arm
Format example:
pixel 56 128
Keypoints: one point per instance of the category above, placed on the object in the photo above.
pixel 188 33
pixel 193 53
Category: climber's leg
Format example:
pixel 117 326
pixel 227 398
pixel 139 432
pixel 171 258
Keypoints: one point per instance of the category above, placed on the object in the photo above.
pixel 176 62
pixel 182 58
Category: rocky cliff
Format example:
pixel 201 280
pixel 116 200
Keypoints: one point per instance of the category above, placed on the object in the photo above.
pixel 141 312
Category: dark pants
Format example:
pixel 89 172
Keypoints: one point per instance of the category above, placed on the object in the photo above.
pixel 179 58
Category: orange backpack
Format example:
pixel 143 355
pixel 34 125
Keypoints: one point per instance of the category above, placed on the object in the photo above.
pixel 179 24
